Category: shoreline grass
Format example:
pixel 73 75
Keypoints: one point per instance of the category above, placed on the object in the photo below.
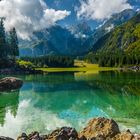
pixel 80 66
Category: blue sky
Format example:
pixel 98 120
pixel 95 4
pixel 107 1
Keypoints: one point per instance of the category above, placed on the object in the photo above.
pixel 68 5
pixel 71 5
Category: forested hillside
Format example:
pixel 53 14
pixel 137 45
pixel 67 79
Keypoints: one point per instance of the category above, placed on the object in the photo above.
pixel 119 47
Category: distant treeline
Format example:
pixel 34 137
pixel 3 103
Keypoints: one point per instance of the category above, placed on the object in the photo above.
pixel 50 61
pixel 110 59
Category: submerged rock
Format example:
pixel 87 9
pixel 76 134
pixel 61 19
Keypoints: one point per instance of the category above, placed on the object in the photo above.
pixel 10 83
pixel 100 127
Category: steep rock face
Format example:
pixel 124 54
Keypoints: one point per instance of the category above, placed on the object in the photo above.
pixel 56 41
pixel 10 83
pixel 100 127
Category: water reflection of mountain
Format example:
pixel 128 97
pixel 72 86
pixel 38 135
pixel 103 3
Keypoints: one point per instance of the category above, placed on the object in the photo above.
pixel 8 102
pixel 116 94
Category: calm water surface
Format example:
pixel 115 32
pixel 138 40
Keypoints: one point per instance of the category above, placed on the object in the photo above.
pixel 46 102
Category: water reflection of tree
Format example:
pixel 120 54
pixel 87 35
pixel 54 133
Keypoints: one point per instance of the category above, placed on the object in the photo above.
pixel 8 102
pixel 122 82
pixel 118 94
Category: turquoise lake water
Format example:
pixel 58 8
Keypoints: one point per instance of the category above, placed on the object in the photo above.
pixel 46 102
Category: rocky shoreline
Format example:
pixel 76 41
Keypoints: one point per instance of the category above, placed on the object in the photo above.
pixel 96 129
pixel 16 71
pixel 130 68
pixel 134 68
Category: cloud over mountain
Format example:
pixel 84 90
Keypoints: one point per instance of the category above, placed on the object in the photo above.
pixel 29 15
pixel 101 9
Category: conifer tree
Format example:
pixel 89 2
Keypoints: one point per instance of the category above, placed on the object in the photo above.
pixel 3 44
pixel 13 43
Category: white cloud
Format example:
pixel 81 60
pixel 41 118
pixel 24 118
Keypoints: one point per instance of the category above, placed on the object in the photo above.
pixel 101 9
pixel 34 119
pixel 29 15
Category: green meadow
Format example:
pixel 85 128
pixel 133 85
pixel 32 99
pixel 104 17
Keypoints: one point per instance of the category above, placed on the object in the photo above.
pixel 79 66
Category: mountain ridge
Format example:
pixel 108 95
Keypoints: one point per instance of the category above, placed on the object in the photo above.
pixel 124 37
pixel 73 41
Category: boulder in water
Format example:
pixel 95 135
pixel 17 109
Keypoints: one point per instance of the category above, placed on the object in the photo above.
pixel 10 83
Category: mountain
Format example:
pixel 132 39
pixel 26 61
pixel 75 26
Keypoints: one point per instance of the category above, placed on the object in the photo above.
pixel 57 40
pixel 125 38
pixel 111 23
pixel 74 41
pixel 81 30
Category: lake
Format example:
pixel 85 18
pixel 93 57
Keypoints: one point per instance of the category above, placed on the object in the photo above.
pixel 46 102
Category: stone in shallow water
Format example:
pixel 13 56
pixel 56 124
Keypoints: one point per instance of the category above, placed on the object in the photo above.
pixel 10 83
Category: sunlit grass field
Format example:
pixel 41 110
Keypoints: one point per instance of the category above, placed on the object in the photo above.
pixel 80 66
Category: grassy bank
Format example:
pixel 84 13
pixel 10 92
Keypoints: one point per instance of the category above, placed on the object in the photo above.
pixel 80 66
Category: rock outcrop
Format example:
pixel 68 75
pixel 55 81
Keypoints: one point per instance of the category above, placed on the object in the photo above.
pixel 124 136
pixel 100 127
pixel 10 83
pixel 97 129
pixel 64 133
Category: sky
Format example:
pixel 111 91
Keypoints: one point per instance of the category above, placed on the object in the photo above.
pixel 31 15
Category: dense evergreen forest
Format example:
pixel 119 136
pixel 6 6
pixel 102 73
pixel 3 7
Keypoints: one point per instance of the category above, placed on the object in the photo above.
pixel 112 59
pixel 8 46
pixel 49 61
